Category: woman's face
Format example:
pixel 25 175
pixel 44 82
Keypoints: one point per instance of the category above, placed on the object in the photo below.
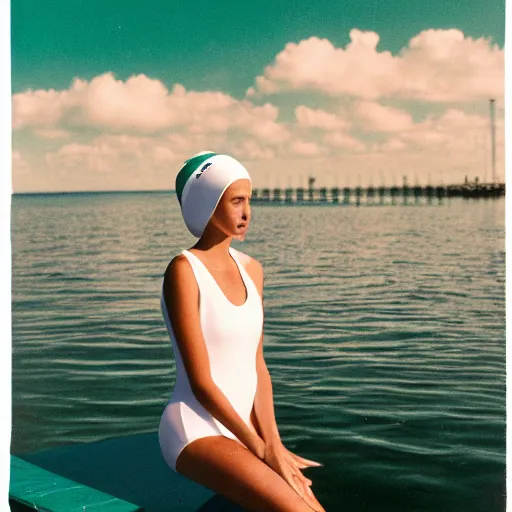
pixel 233 213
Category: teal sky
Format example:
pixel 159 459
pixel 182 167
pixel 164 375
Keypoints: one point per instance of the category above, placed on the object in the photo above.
pixel 211 45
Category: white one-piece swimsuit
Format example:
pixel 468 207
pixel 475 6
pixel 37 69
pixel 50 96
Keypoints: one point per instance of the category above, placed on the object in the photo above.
pixel 231 334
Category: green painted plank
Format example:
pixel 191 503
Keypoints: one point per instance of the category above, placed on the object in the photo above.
pixel 46 491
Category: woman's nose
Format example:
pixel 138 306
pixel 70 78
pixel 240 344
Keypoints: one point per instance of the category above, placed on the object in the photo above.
pixel 247 211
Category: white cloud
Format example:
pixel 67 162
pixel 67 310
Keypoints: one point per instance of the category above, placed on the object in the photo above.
pixel 163 155
pixel 21 170
pixel 113 131
pixel 453 129
pixel 112 153
pixel 251 150
pixel 48 133
pixel 436 66
pixel 269 132
pixel 337 140
pixel 38 108
pixel 84 157
pixel 306 148
pixel 446 66
pixel 124 153
pixel 317 118
pixel 19 164
pixel 390 145
pixel 378 118
pixel 141 105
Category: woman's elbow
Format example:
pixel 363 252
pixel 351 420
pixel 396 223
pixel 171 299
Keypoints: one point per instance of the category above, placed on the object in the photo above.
pixel 201 388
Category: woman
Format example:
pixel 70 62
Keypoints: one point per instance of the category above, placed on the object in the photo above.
pixel 219 428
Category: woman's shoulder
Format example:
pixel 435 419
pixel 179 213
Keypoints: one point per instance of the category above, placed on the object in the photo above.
pixel 177 265
pixel 246 259
pixel 253 267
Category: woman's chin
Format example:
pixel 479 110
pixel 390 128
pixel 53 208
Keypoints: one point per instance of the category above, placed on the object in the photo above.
pixel 240 234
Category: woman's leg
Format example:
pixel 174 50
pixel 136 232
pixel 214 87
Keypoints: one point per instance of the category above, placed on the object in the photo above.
pixel 228 468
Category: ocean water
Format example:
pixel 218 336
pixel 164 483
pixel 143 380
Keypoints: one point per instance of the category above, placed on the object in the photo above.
pixel 384 336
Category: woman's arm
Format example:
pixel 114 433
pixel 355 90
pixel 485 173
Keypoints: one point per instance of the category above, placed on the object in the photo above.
pixel 181 295
pixel 264 400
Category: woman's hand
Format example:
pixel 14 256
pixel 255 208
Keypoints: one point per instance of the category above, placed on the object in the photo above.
pixel 301 461
pixel 287 465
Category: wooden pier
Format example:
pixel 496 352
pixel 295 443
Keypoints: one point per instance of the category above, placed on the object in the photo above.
pixel 376 195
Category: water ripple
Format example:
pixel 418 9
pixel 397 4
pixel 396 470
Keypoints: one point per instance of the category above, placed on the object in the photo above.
pixel 384 337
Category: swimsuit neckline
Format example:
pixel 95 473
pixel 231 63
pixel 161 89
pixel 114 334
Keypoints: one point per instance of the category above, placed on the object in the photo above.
pixel 217 284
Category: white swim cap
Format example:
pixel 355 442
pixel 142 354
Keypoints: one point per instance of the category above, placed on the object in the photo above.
pixel 200 184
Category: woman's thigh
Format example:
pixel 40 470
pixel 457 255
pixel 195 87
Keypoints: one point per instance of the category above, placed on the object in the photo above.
pixel 228 468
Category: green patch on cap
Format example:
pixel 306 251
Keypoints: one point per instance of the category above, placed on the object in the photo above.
pixel 191 165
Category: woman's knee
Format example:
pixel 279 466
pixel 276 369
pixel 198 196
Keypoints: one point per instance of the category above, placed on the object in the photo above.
pixel 228 468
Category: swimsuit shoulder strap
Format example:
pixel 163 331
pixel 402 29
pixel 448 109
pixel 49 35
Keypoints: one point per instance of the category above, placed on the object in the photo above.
pixel 200 271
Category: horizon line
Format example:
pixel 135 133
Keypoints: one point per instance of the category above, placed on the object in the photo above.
pixel 49 192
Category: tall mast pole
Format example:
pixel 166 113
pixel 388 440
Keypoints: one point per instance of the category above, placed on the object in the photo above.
pixel 493 139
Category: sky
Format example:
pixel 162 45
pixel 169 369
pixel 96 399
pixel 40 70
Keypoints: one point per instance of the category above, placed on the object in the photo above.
pixel 117 95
